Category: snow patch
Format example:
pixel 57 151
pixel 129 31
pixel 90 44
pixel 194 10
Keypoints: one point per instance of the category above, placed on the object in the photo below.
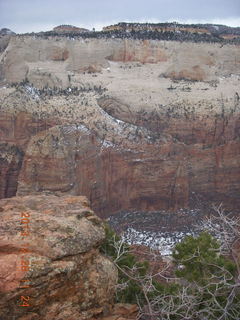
pixel 164 242
pixel 73 128
pixel 107 144
pixel 32 91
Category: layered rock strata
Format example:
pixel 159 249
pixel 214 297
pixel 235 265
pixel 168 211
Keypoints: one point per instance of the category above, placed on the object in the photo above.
pixel 10 164
pixel 57 61
pixel 146 177
pixel 131 124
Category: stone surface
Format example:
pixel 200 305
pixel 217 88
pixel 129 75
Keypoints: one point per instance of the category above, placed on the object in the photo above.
pixel 131 136
pixel 123 311
pixel 131 177
pixel 54 59
pixel 57 254
pixel 10 164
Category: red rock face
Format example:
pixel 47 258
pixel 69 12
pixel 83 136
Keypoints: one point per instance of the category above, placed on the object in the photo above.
pixel 56 266
pixel 195 74
pixel 147 177
pixel 146 53
pixel 203 162
pixel 187 127
pixel 10 164
pixel 16 132
pixel 59 54
pixel 18 129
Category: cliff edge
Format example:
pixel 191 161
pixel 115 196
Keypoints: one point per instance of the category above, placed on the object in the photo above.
pixel 50 265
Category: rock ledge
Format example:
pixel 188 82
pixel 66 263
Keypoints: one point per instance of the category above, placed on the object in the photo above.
pixel 49 244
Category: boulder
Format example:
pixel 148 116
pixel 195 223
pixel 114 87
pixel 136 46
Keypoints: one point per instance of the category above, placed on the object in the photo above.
pixel 50 264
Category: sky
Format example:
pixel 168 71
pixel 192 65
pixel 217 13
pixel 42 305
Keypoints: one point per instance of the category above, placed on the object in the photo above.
pixel 40 15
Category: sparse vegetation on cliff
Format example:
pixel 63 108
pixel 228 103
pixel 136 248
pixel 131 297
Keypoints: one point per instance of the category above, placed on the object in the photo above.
pixel 171 31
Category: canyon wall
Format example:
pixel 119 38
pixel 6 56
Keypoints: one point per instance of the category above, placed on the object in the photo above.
pixel 152 124
pixel 50 61
pixel 148 177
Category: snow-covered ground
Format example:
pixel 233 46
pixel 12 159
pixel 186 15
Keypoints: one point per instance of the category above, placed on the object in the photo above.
pixel 160 230
pixel 161 241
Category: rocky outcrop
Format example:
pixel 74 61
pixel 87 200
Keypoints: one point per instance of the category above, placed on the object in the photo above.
pixel 15 132
pixel 6 31
pixel 183 122
pixel 4 41
pixel 29 57
pixel 146 52
pixel 5 36
pixel 65 28
pixel 194 73
pixel 170 28
pixel 123 312
pixel 10 164
pixel 16 129
pixel 50 264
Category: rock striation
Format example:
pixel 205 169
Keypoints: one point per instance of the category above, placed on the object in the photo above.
pixel 34 58
pixel 10 164
pixel 50 266
pixel 119 179
pixel 131 124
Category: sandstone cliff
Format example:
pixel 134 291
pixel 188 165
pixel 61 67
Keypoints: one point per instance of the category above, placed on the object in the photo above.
pixel 50 61
pixel 50 266
pixel 157 127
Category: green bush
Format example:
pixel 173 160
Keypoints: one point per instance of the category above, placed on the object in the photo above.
pixel 211 277
pixel 132 290
pixel 205 286
pixel 198 259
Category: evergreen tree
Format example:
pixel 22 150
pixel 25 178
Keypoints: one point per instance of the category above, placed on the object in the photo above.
pixel 198 259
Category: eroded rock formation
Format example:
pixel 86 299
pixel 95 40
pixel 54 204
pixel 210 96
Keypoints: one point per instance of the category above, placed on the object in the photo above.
pixel 131 124
pixel 49 245
pixel 33 58
pixel 147 177
pixel 10 164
